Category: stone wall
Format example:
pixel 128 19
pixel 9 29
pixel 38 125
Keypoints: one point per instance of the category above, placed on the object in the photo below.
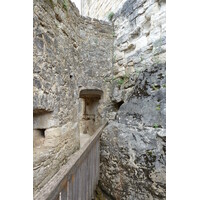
pixel 127 62
pixel 100 9
pixel 133 145
pixel 70 53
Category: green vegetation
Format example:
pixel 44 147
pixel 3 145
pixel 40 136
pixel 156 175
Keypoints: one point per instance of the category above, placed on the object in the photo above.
pixel 65 6
pixel 50 2
pixel 155 125
pixel 110 16
pixel 164 86
pixel 149 152
pixel 123 79
pixel 114 58
pixel 120 81
pixel 158 107
pixel 99 194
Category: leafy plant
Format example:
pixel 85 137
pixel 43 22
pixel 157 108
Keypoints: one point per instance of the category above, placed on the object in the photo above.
pixel 158 107
pixel 123 79
pixel 155 125
pixel 65 6
pixel 120 81
pixel 110 16
pixel 164 86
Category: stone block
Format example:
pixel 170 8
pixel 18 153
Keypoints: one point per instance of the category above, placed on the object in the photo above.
pixel 44 121
pixel 53 133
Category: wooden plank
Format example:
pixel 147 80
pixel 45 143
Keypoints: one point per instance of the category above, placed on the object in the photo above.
pixel 79 183
pixel 68 190
pixel 93 171
pixel 98 160
pixel 76 185
pixel 90 176
pixel 63 194
pixel 71 189
pixel 95 165
pixel 83 181
pixel 86 177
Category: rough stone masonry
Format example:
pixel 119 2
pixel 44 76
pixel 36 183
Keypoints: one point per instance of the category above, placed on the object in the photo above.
pixel 71 53
pixel 125 59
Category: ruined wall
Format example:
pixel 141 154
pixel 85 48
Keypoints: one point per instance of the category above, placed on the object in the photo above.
pixel 73 53
pixel 100 9
pixel 70 53
pixel 133 145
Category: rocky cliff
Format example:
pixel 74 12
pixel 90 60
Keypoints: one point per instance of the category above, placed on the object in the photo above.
pixel 133 146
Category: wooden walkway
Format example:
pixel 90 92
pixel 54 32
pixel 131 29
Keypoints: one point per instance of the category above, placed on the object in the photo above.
pixel 77 179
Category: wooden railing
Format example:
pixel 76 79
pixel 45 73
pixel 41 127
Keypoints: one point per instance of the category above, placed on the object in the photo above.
pixel 76 180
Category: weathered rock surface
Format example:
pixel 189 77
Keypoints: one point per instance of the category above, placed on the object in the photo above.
pixel 133 149
pixel 70 53
pixel 126 62
pixel 133 162
pixel 100 9
pixel 146 103
pixel 133 144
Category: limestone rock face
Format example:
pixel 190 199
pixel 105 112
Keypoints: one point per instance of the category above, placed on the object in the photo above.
pixel 133 147
pixel 147 101
pixel 133 162
pixel 133 144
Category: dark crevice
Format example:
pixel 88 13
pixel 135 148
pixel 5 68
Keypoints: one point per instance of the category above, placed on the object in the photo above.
pixel 58 17
pixel 118 105
pixel 65 32
pixel 42 132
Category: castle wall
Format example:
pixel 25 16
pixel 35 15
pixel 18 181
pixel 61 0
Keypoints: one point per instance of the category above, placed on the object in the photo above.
pixel 100 9
pixel 126 62
pixel 70 53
